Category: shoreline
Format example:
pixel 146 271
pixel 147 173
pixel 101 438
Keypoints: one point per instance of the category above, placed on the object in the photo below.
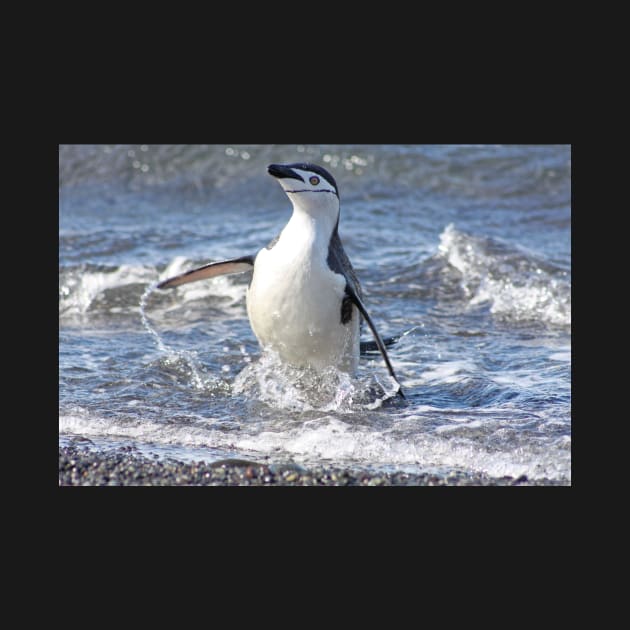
pixel 123 467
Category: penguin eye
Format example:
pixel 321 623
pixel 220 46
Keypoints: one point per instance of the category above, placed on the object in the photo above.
pixel 314 180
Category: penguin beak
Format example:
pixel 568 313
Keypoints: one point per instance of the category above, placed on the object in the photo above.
pixel 280 171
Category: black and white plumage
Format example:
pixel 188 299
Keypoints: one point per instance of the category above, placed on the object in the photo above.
pixel 304 300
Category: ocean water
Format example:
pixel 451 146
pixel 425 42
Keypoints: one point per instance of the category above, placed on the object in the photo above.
pixel 465 249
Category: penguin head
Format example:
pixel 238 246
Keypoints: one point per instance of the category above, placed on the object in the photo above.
pixel 303 179
pixel 311 189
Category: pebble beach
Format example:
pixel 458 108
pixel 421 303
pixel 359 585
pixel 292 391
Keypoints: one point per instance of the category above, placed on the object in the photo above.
pixel 78 466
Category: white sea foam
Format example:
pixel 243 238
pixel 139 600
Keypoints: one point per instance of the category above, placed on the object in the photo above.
pixel 338 441
pixel 515 283
pixel 79 421
pixel 329 438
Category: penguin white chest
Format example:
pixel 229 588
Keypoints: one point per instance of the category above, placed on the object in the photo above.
pixel 294 307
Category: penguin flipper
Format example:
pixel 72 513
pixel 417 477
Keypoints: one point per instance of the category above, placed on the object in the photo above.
pixel 379 342
pixel 211 270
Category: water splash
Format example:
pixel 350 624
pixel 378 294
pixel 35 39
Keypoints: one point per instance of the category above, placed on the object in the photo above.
pixel 276 384
pixel 180 360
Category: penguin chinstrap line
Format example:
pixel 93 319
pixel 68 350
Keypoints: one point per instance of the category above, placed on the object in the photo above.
pixel 304 300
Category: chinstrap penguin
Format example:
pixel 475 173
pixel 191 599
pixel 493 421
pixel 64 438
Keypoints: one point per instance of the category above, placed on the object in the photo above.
pixel 304 300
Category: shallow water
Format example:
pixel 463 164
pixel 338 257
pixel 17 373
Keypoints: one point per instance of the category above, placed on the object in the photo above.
pixel 465 248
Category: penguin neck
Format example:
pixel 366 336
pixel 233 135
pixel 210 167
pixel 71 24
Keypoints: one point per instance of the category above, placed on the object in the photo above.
pixel 310 230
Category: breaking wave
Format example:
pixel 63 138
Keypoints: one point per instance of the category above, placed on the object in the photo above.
pixel 90 289
pixel 517 285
